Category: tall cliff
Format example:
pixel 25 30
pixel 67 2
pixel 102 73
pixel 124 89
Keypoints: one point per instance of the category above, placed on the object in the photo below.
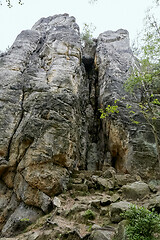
pixel 51 89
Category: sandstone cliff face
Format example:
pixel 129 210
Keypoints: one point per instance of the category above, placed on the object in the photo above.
pixel 50 92
pixel 132 147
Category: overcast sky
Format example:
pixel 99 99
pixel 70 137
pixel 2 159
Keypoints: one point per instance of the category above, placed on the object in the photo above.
pixel 105 15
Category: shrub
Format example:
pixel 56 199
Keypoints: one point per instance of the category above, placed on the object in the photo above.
pixel 142 223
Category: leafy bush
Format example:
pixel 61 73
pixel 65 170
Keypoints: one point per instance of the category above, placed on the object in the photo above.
pixel 142 223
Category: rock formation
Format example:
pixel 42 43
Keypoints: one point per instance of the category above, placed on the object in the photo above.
pixel 51 90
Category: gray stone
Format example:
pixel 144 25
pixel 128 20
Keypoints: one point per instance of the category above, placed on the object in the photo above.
pixel 105 201
pixel 154 185
pixel 121 232
pixel 109 173
pixel 123 179
pixel 96 204
pixel 56 202
pixel 154 203
pixel 105 183
pixel 104 234
pixel 135 191
pixel 20 219
pixel 116 209
pixel 115 197
pixel 31 196
pixel 71 235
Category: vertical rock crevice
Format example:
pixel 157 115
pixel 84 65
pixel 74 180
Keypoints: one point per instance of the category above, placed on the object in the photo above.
pixel 17 125
pixel 94 148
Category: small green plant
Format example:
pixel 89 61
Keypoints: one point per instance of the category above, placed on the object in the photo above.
pixel 89 215
pixel 90 228
pixel 109 110
pixel 142 223
pixel 24 220
pixel 87 34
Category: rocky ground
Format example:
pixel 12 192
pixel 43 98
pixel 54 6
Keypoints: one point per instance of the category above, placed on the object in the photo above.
pixel 90 208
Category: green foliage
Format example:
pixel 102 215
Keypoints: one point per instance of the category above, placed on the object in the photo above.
pixel 143 77
pixel 134 121
pixel 142 223
pixel 109 110
pixel 156 101
pixel 89 215
pixel 87 34
pixel 24 220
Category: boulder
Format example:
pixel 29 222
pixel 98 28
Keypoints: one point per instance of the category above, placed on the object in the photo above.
pixel 154 185
pixel 105 201
pixel 109 173
pixel 154 203
pixel 103 234
pixel 56 202
pixel 115 197
pixel 135 191
pixel 116 209
pixel 31 196
pixel 105 183
pixel 20 219
pixel 121 232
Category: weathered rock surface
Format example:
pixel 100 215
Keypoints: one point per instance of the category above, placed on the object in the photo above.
pixel 136 190
pixel 20 219
pixel 101 234
pixel 40 108
pixel 116 209
pixel 132 147
pixel 50 91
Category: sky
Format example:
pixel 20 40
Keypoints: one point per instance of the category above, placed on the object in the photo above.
pixel 105 15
